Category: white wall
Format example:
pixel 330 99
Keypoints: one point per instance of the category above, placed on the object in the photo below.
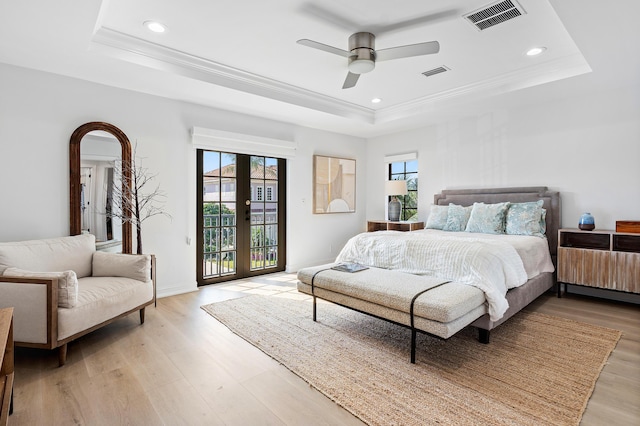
pixel 39 111
pixel 579 136
pixel 580 141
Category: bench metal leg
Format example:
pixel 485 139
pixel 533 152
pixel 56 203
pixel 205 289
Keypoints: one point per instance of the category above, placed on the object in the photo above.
pixel 413 346
pixel 314 308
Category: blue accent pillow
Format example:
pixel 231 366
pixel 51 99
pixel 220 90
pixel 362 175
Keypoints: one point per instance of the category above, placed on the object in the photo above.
pixel 525 218
pixel 437 217
pixel 457 218
pixel 487 218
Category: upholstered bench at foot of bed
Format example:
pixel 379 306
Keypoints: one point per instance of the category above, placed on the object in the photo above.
pixel 440 309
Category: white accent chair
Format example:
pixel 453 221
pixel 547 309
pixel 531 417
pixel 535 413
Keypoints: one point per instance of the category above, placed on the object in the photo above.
pixel 62 288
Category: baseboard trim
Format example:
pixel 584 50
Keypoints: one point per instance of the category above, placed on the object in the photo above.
pixel 173 291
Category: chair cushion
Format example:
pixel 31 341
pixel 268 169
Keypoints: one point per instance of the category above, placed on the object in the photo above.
pixel 53 254
pixel 100 299
pixel 134 266
pixel 67 284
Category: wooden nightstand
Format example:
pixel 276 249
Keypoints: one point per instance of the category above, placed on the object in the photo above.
pixel 601 259
pixel 387 225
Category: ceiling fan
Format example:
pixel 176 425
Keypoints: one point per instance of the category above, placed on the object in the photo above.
pixel 362 54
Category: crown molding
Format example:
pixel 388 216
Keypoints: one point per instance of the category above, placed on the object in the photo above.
pixel 152 55
pixel 142 52
pixel 545 72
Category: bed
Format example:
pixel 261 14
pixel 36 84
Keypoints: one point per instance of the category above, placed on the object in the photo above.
pixel 436 295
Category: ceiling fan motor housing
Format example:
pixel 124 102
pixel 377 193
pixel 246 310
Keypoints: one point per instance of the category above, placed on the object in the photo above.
pixel 363 55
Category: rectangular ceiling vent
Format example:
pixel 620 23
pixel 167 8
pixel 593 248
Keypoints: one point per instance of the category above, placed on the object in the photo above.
pixel 435 71
pixel 494 14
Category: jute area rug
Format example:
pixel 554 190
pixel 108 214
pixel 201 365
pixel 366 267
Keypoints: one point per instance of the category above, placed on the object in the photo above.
pixel 537 370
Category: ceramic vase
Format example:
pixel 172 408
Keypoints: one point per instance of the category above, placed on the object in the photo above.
pixel 587 223
pixel 394 210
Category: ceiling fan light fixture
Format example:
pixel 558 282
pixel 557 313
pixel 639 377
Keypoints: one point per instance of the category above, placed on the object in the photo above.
pixel 154 26
pixel 361 66
pixel 362 60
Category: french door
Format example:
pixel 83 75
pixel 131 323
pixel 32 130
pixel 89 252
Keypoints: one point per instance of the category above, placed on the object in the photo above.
pixel 241 215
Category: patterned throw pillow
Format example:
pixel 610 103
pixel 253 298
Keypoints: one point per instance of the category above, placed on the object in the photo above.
pixel 525 218
pixel 487 218
pixel 437 217
pixel 457 218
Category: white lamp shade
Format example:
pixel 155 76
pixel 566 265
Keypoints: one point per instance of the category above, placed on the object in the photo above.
pixel 395 187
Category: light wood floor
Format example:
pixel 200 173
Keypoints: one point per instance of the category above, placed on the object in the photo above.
pixel 182 367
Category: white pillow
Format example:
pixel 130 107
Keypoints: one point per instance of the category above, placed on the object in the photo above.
pixel 134 266
pixel 67 283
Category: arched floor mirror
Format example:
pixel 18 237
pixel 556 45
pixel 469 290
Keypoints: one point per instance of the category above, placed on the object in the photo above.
pixel 91 134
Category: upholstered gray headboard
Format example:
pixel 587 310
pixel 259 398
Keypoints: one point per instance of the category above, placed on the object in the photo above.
pixel 551 202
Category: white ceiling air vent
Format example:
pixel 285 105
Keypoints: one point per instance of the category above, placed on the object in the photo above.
pixel 435 71
pixel 494 14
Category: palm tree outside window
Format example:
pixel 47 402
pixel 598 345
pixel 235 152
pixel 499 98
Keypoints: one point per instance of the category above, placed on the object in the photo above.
pixel 407 170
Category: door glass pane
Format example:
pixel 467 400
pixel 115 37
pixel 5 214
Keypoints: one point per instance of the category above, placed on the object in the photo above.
pixel 257 236
pixel 257 190
pixel 211 163
pixel 271 169
pixel 257 212
pixel 257 258
pixel 228 238
pixel 270 212
pixel 271 235
pixel 257 167
pixel 271 257
pixel 228 262
pixel 271 191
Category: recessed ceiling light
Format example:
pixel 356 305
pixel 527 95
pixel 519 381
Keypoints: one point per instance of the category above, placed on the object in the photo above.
pixel 535 51
pixel 154 26
pixel 376 100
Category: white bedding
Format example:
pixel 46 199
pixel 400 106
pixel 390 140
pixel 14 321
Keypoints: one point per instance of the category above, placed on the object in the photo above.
pixel 533 251
pixel 491 263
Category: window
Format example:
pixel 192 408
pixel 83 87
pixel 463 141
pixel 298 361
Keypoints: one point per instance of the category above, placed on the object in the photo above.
pixel 259 193
pixel 407 170
pixel 269 193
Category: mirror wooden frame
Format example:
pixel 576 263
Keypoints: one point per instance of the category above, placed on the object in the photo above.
pixel 75 196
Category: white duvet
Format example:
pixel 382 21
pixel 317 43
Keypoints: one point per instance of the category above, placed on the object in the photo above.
pixel 491 263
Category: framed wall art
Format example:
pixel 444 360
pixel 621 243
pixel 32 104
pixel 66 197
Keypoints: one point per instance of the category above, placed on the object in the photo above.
pixel 334 185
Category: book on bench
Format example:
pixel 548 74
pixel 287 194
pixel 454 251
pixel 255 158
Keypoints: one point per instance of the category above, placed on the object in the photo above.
pixel 349 267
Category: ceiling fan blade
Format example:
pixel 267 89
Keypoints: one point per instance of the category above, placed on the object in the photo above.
pixel 407 51
pixel 325 47
pixel 420 21
pixel 328 16
pixel 351 80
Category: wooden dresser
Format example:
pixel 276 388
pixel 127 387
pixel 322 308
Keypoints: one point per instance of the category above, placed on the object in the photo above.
pixel 601 259
pixel 6 364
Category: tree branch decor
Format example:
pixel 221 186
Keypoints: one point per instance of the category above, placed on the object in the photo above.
pixel 142 201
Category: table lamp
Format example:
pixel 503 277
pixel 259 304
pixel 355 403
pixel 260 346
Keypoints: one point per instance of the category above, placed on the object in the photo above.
pixel 395 188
